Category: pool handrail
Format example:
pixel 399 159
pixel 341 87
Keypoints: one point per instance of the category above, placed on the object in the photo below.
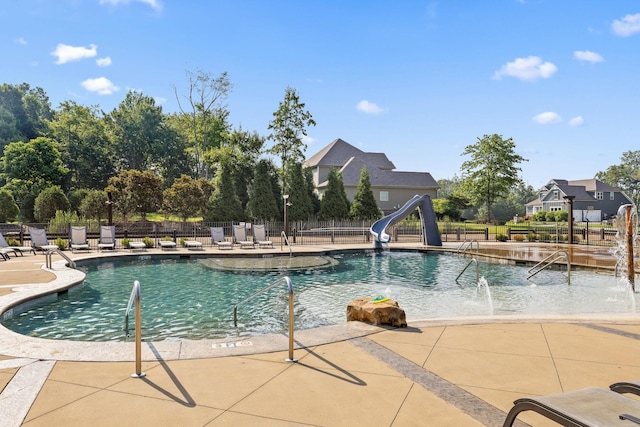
pixel 548 261
pixel 283 237
pixel 135 297
pixel 48 254
pixel 473 260
pixel 289 284
pixel 468 245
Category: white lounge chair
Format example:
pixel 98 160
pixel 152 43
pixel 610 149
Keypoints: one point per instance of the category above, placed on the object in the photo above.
pixel 260 236
pixel 192 245
pixel 218 239
pixel 137 246
pixel 78 239
pixel 6 248
pixel 39 240
pixel 167 245
pixel 107 237
pixel 240 236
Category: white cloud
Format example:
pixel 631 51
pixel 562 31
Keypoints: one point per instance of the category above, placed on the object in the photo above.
pixel 160 100
pixel 21 40
pixel 308 140
pixel 588 56
pixel 155 4
pixel 576 121
pixel 368 107
pixel 626 26
pixel 529 68
pixel 101 85
pixel 66 53
pixel 103 62
pixel 547 117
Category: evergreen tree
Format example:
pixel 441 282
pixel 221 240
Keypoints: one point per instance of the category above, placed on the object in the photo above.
pixel 364 205
pixel 262 203
pixel 301 208
pixel 334 204
pixel 311 191
pixel 224 204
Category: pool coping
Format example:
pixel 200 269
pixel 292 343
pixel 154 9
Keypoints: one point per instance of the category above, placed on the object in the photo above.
pixel 18 345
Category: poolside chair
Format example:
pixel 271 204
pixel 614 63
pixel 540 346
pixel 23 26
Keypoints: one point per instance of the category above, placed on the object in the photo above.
pixel 107 237
pixel 240 236
pixel 217 238
pixel 592 406
pixel 167 245
pixel 632 387
pixel 137 246
pixel 78 239
pixel 260 236
pixel 6 248
pixel 193 245
pixel 39 240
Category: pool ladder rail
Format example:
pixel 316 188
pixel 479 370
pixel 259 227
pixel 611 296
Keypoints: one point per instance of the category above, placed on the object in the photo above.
pixel 283 239
pixel 49 253
pixel 556 256
pixel 472 261
pixel 134 298
pixel 467 245
pixel 286 280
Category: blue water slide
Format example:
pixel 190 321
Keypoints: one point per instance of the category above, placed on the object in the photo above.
pixel 430 233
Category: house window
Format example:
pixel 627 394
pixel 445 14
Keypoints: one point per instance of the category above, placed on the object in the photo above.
pixel 555 195
pixel 599 195
pixel 384 196
pixel 612 196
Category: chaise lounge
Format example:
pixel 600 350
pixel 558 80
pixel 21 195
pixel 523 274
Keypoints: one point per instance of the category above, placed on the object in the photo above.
pixel 240 236
pixel 6 248
pixel 107 237
pixel 78 239
pixel 260 236
pixel 39 240
pixel 592 406
pixel 218 239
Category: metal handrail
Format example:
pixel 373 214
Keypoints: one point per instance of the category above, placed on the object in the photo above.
pixel 473 260
pixel 289 284
pixel 550 260
pixel 135 297
pixel 468 244
pixel 50 252
pixel 283 236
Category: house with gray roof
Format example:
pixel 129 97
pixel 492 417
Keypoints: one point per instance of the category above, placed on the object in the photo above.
pixel 391 188
pixel 593 200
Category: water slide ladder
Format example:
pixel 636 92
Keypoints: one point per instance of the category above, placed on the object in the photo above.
pixel 558 255
pixel 49 254
pixel 286 280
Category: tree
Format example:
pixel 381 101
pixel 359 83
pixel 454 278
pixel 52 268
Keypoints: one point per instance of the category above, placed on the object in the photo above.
pixel 301 207
pixel 289 126
pixel 48 202
pixel 311 191
pixel 136 191
pixel 224 204
pixel 206 96
pixel 84 144
pixel 184 198
pixel 8 208
pixel 28 110
pixel 364 204
pixel 625 176
pixel 492 170
pixel 94 205
pixel 262 203
pixel 334 203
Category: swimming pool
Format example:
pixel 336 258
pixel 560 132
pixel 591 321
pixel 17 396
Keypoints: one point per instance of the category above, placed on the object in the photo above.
pixel 191 298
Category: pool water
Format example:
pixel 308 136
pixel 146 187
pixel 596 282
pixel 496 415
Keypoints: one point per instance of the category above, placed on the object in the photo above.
pixel 187 299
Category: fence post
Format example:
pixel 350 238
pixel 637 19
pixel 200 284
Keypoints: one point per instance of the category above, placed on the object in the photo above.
pixel 486 233
pixel 509 233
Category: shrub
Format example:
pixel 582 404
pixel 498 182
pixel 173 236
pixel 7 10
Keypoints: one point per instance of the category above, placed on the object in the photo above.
pixel 182 240
pixel 8 208
pixel 13 242
pixel 49 201
pixel 61 243
pixel 125 242
pixel 501 238
pixel 518 237
pixel 148 242
pixel 532 237
pixel 544 237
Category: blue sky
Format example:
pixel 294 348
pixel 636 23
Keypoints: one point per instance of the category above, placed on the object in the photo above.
pixel 417 80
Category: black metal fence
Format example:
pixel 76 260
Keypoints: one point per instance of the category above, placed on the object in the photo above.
pixel 325 232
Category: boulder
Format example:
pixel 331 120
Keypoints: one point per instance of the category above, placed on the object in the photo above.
pixel 386 312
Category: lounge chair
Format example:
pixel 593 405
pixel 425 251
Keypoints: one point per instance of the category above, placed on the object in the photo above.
pixel 192 245
pixel 592 406
pixel 217 238
pixel 260 236
pixel 39 240
pixel 107 237
pixel 167 245
pixel 632 387
pixel 6 248
pixel 137 246
pixel 78 239
pixel 240 236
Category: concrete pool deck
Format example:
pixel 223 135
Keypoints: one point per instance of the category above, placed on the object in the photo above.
pixel 433 373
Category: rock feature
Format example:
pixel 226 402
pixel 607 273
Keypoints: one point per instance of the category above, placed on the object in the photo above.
pixel 386 312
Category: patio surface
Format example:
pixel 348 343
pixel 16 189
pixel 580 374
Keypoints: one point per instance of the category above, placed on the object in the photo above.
pixel 433 373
